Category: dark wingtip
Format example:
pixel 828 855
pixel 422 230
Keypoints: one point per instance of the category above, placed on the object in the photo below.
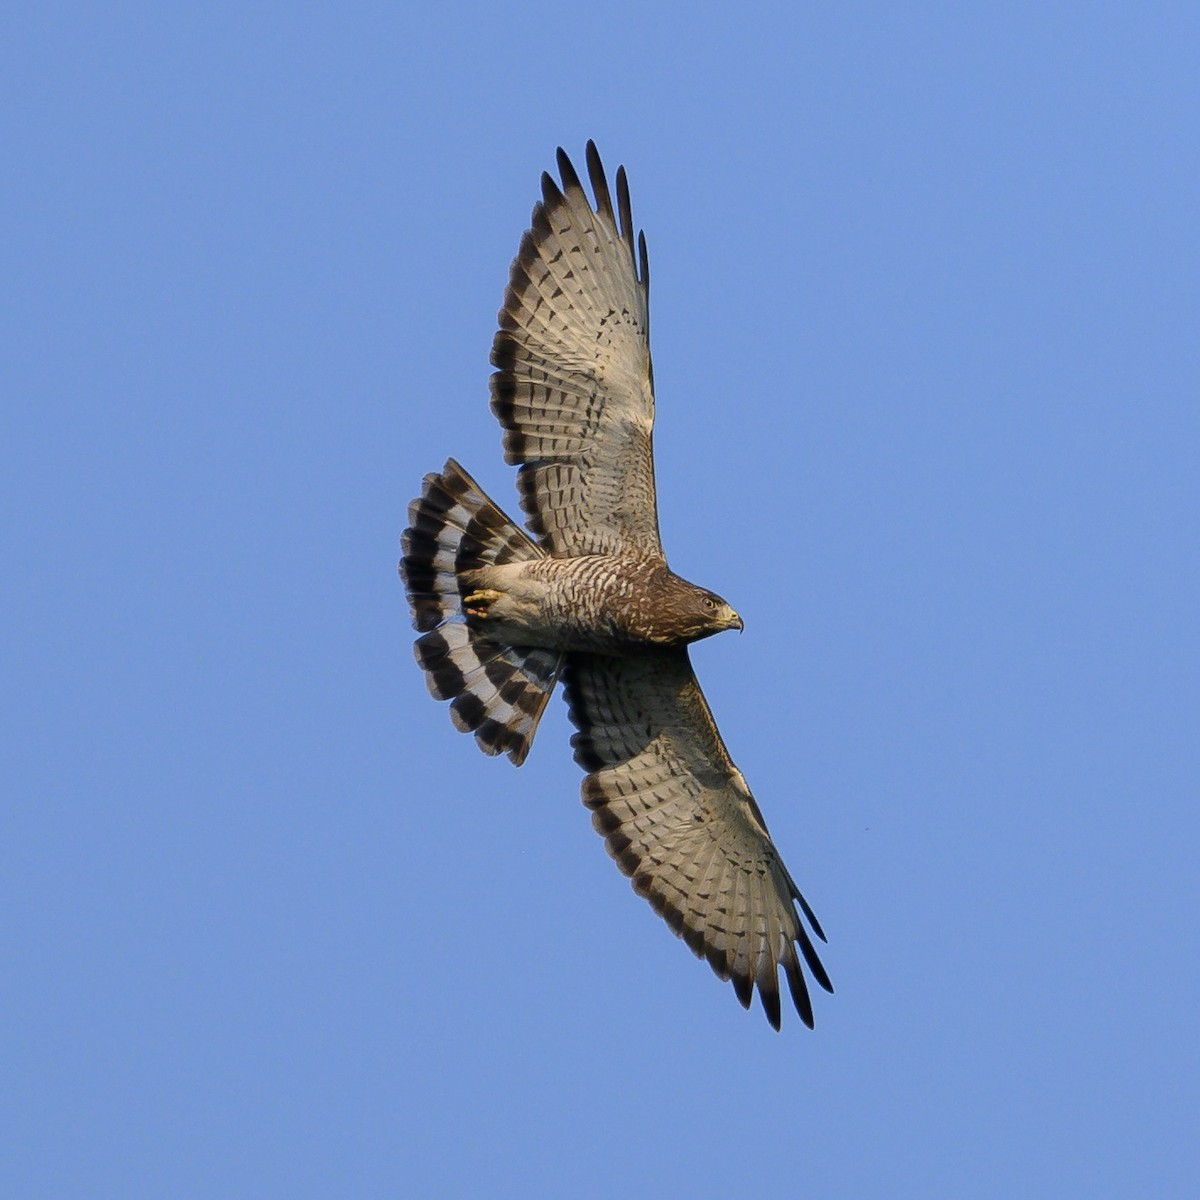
pixel 806 909
pixel 551 194
pixel 624 207
pixel 814 964
pixel 743 988
pixel 567 172
pixel 771 1006
pixel 595 169
pixel 797 986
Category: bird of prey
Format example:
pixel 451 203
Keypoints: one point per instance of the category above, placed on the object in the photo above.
pixel 589 598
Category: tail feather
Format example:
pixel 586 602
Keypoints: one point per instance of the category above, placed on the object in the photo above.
pixel 454 527
pixel 496 691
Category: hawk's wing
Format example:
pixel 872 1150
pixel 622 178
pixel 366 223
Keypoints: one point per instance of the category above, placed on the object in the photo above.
pixel 574 388
pixel 680 820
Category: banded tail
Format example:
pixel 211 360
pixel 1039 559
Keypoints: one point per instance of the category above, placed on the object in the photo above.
pixel 497 691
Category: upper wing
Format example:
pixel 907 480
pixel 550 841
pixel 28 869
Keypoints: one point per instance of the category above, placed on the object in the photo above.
pixel 574 388
pixel 679 819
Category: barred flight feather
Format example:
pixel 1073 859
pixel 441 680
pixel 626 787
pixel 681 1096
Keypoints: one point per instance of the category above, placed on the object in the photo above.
pixel 573 387
pixel 677 819
pixel 497 692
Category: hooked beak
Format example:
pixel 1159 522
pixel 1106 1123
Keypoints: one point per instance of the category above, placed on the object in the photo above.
pixel 736 622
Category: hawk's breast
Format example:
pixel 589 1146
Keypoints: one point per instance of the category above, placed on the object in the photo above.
pixel 600 604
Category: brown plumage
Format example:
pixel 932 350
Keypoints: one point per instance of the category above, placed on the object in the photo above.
pixel 502 616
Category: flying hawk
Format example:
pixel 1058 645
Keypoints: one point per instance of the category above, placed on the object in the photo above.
pixel 590 599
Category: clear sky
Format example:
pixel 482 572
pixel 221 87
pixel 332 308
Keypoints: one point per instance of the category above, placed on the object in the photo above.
pixel 925 315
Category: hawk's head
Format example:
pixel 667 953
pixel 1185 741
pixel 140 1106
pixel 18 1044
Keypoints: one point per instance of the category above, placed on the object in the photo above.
pixel 714 614
pixel 680 612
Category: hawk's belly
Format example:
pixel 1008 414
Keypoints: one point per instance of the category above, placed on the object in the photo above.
pixel 595 603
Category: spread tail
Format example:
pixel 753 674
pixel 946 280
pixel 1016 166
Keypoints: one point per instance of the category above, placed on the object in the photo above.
pixel 497 691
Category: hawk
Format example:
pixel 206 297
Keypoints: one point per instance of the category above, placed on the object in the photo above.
pixel 589 599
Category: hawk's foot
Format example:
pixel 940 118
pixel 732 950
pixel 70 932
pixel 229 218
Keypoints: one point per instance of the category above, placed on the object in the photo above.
pixel 478 602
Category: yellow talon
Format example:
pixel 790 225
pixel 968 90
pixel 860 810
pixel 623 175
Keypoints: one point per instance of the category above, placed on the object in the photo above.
pixel 477 602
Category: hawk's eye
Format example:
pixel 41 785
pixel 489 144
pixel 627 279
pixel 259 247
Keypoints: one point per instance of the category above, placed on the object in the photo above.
pixel 709 602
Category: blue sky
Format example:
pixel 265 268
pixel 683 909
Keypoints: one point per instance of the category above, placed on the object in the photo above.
pixel 925 320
